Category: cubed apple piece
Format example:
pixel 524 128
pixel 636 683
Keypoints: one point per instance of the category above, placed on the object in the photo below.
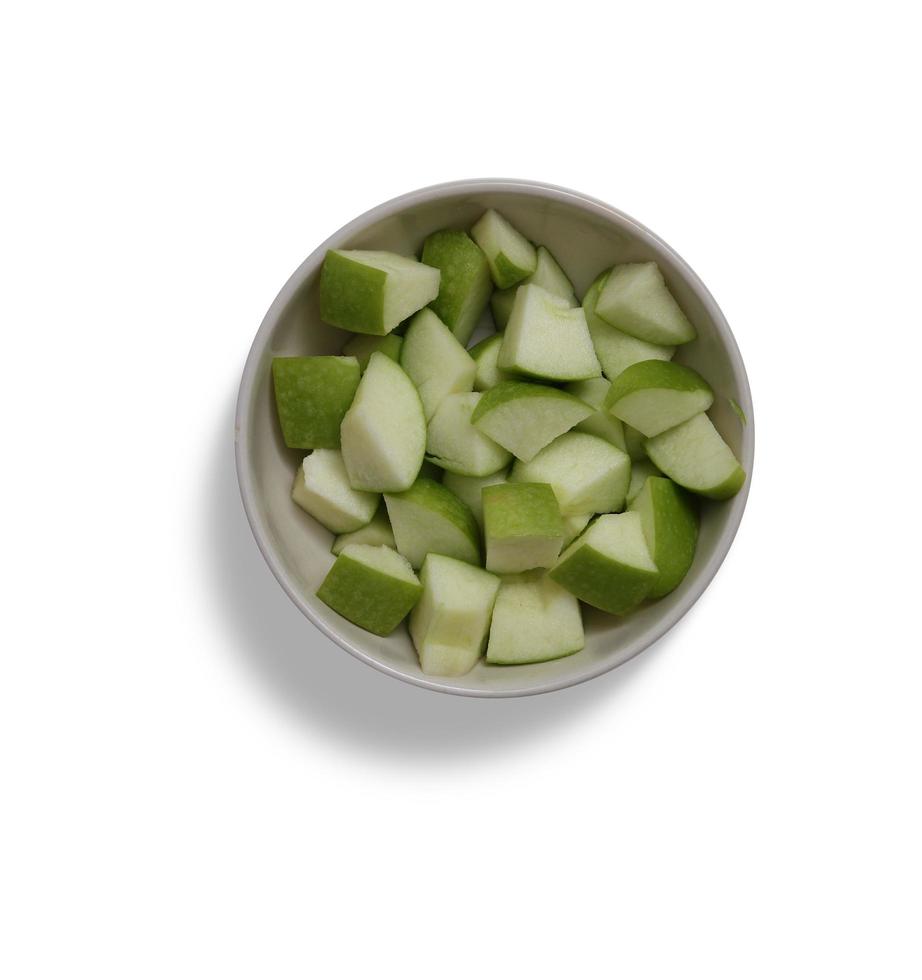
pixel 376 532
pixel 466 284
pixel 534 620
pixel 588 474
pixel 322 488
pixel 670 526
pixel 603 424
pixel 312 394
pixel 362 346
pixel 546 338
pixel 371 292
pixel 522 526
pixel 454 444
pixel 511 256
pixel 615 349
pixel 695 456
pixel 548 275
pixel 653 396
pixel 639 473
pixel 525 417
pixel 384 432
pixel 373 587
pixel 469 489
pixel 636 300
pixel 449 624
pixel 485 355
pixel 430 518
pixel 434 360
pixel 609 566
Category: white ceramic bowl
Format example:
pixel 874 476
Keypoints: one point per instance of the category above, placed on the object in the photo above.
pixel 586 236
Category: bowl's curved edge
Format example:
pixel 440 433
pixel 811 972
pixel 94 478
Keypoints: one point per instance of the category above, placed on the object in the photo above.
pixel 241 430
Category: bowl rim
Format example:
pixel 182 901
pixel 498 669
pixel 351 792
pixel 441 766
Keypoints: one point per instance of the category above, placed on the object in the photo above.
pixel 246 477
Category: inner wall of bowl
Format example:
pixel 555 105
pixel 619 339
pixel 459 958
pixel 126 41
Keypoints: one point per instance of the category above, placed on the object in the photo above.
pixel 585 242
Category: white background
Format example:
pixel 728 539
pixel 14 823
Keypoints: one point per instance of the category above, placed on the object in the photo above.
pixel 195 783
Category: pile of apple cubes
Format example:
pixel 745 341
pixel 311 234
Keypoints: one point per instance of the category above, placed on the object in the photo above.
pixel 542 434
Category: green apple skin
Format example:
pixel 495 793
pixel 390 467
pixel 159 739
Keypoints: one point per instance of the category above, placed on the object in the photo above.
pixel 466 285
pixel 312 394
pixel 670 525
pixel 367 596
pixel 428 517
pixel 522 526
pixel 615 349
pixel 371 292
pixel 534 620
pixel 486 355
pixel 599 579
pixel 362 346
pixel 524 417
pixel 653 396
pixel 636 300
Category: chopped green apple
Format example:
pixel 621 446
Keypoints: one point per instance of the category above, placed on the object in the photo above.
pixel 363 345
pixel 485 355
pixel 670 527
pixel 653 396
pixel 546 338
pixel 522 526
pixel 534 620
pixel 548 275
pixel 636 300
pixel 592 391
pixel 321 487
pixel 376 532
pixel 639 473
pixel 373 587
pixel 695 456
pixel 511 256
pixel 615 349
pixel 454 444
pixel 312 394
pixel 588 474
pixel 434 360
pixel 609 566
pixel 384 432
pixel 524 417
pixel 469 489
pixel 371 292
pixel 430 518
pixel 466 284
pixel 450 622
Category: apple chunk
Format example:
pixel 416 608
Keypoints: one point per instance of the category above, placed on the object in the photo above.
pixel 312 394
pixel 670 526
pixel 636 300
pixel 522 526
pixel 373 587
pixel 534 620
pixel 465 287
pixel 449 624
pixel 384 432
pixel 430 518
pixel 608 566
pixel 695 456
pixel 548 275
pixel 653 396
pixel 486 355
pixel 434 360
pixel 322 488
pixel 371 292
pixel 362 346
pixel 377 532
pixel 454 444
pixel 588 474
pixel 524 417
pixel 510 254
